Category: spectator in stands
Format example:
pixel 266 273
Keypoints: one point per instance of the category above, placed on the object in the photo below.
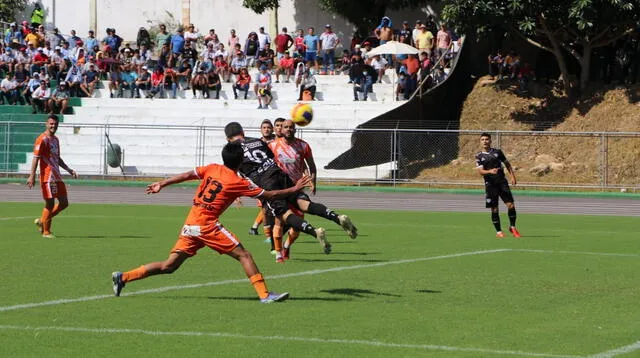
pixel 59 98
pixel 345 62
pixel 31 86
pixel 412 65
pixel 285 67
pixel 157 83
pixel 177 44
pixel 262 87
pixel 300 47
pixel 495 64
pixel 91 43
pixel 189 54
pixel 39 61
pixel 307 84
pixel 165 55
pixel 222 68
pixel 9 89
pixel 115 78
pixel 364 84
pixel 233 39
pixel 6 60
pixel 80 57
pixel 137 60
pixel 162 37
pixel 425 66
pixel 384 33
pixel 184 74
pixel 143 38
pixel 356 40
pixel 143 82
pixel 511 65
pixel 328 43
pixel 238 63
pixel 42 36
pixel 213 84
pixel 200 82
pixel 283 42
pixel 405 33
pixel 401 87
pixel 191 35
pixel 242 83
pixel 129 77
pixel 265 57
pixel 37 15
pixel 90 79
pixel 145 53
pixel 431 25
pixel 443 40
pixel 312 44
pixel 211 36
pixel 364 51
pixel 357 66
pixel 40 98
pixel 109 41
pixel 263 38
pixel 12 34
pixel 74 80
pixel 424 41
pixel 251 48
pixel 209 53
pixel 31 38
pixel 379 65
pixel 75 40
pixel 171 81
pixel 524 77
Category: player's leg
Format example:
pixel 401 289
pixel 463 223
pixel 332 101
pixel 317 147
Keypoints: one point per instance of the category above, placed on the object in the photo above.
pixel 277 239
pixel 507 197
pixel 306 205
pixel 267 228
pixel 171 264
pixel 491 198
pixel 256 223
pixel 255 277
pixel 280 209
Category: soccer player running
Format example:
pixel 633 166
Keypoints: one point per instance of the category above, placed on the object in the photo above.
pixel 489 164
pixel 266 129
pixel 46 153
pixel 219 187
pixel 259 166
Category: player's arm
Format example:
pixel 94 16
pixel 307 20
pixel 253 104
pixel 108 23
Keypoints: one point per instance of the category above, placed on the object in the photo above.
pixel 64 166
pixel 279 194
pixel 481 170
pixel 311 164
pixel 512 173
pixel 32 173
pixel 157 186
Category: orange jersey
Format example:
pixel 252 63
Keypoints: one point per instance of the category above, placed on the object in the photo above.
pixel 47 150
pixel 291 157
pixel 219 188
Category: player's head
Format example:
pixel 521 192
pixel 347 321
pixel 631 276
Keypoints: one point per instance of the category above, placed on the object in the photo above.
pixel 232 155
pixel 485 140
pixel 266 129
pixel 52 124
pixel 233 131
pixel 288 129
pixel 277 126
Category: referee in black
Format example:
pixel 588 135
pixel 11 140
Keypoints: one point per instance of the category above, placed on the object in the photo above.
pixel 489 163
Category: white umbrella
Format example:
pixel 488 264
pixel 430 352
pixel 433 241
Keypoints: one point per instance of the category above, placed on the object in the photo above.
pixel 393 48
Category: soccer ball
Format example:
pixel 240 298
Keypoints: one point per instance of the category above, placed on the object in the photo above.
pixel 302 114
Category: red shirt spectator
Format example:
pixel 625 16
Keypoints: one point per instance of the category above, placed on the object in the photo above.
pixel 283 41
pixel 157 78
pixel 286 62
pixel 413 65
pixel 40 58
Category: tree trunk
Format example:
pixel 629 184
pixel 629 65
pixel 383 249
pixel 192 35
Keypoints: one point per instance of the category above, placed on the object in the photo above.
pixel 586 67
pixel 569 85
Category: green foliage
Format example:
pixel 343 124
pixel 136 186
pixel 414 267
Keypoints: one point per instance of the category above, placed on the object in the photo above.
pixel 260 6
pixel 9 8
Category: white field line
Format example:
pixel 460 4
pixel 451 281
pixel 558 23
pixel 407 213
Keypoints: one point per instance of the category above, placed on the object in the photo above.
pixel 428 347
pixel 618 351
pixel 244 280
pixel 577 253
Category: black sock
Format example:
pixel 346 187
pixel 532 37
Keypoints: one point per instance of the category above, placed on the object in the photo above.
pixel 512 216
pixel 300 224
pixel 321 210
pixel 495 219
pixel 193 89
pixel 273 247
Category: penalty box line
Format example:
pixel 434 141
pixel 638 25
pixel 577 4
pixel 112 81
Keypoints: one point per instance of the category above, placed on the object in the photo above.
pixel 244 280
pixel 371 343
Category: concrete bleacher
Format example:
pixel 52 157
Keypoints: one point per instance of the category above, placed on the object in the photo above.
pixel 173 145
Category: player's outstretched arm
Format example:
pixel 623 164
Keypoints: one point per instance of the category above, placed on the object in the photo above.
pixel 157 186
pixel 304 182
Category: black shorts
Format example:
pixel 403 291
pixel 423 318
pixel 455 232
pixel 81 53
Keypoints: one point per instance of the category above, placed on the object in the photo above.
pixel 494 190
pixel 276 180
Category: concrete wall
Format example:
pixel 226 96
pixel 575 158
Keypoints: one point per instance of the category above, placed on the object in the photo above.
pixel 127 16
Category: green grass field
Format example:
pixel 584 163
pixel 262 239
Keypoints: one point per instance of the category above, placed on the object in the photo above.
pixel 413 284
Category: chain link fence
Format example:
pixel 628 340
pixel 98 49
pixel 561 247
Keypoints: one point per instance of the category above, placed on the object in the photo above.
pixel 442 158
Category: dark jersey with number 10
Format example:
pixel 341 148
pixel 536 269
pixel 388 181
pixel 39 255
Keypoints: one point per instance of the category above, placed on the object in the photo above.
pixel 259 165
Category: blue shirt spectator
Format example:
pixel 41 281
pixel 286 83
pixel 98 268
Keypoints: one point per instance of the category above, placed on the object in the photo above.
pixel 177 43
pixel 311 41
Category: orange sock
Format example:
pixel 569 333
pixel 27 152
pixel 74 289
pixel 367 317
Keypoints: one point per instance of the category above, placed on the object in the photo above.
pixel 135 274
pixel 45 219
pixel 293 235
pixel 259 219
pixel 259 285
pixel 268 231
pixel 277 238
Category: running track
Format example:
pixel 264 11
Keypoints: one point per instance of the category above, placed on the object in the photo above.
pixel 345 200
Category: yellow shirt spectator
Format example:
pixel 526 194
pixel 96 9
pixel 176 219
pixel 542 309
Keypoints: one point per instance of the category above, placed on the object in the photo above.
pixel 424 41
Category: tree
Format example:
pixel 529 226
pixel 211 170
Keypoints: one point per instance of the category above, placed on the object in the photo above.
pixel 575 27
pixel 9 8
pixel 260 6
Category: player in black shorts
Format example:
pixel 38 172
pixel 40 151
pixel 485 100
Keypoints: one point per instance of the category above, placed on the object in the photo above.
pixel 261 168
pixel 489 164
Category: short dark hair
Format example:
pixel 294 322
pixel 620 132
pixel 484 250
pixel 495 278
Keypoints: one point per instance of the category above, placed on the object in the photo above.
pixel 485 134
pixel 278 120
pixel 233 129
pixel 232 155
pixel 54 117
pixel 266 121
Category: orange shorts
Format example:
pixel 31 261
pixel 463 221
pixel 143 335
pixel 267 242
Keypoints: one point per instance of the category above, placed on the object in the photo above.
pixel 191 239
pixel 53 189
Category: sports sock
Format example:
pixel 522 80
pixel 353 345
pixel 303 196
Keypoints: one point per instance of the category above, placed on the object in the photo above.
pixel 45 219
pixel 258 220
pixel 277 238
pixel 293 235
pixel 512 216
pixel 321 210
pixel 259 285
pixel 135 274
pixel 495 219
pixel 300 224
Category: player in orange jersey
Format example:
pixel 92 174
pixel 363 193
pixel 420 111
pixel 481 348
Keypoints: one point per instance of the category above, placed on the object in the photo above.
pixel 294 157
pixel 219 187
pixel 46 153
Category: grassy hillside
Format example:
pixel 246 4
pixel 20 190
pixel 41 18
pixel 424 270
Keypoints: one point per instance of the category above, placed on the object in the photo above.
pixel 575 159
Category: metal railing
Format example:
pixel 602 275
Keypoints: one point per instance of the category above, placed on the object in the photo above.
pixel 444 158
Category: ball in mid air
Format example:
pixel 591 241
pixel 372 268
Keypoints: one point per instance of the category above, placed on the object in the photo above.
pixel 302 114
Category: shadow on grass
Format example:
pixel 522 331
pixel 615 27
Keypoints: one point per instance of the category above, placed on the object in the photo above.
pixel 102 237
pixel 428 291
pixel 355 292
pixel 249 298
pixel 331 260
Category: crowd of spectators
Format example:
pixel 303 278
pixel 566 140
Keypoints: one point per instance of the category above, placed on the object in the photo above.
pixel 160 65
